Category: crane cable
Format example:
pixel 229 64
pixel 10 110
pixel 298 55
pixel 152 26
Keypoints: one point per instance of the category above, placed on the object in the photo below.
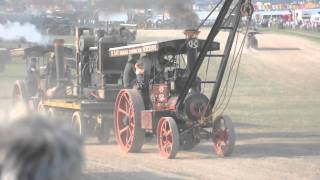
pixel 238 59
pixel 225 88
pixel 226 85
pixel 210 52
pixel 223 95
pixel 237 70
pixel 211 12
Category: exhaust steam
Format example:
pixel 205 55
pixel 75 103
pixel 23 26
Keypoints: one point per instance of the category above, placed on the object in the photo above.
pixel 15 31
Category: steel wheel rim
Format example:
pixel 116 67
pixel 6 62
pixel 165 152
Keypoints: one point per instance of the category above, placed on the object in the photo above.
pixel 125 121
pixel 221 137
pixel 77 125
pixel 17 95
pixel 165 138
pixel 51 114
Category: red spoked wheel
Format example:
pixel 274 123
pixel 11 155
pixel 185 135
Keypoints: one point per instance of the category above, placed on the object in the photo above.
pixel 223 136
pixel 127 120
pixel 168 137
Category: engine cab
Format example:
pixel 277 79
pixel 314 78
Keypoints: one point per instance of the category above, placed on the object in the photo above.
pixel 100 75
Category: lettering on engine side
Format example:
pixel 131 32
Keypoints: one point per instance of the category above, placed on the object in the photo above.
pixel 134 49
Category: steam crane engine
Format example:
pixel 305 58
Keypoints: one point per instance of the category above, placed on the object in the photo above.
pixel 168 99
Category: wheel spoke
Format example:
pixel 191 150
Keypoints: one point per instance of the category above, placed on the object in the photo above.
pixel 131 112
pixel 218 149
pixel 225 135
pixel 131 129
pixel 164 126
pixel 126 100
pixel 123 111
pixel 129 139
pixel 124 129
pixel 168 133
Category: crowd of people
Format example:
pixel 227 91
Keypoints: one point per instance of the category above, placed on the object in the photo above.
pixel 302 25
pixel 307 25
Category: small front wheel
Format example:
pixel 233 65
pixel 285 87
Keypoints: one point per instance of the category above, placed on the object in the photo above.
pixel 223 136
pixel 168 137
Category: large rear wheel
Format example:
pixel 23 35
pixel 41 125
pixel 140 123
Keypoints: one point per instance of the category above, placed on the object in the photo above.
pixel 127 120
pixel 223 136
pixel 168 137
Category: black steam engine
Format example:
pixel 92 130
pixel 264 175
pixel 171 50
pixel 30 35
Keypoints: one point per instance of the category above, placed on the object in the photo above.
pixel 167 99
pixel 83 86
pixel 100 76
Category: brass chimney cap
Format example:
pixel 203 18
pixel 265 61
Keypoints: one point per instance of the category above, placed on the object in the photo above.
pixel 191 33
pixel 58 42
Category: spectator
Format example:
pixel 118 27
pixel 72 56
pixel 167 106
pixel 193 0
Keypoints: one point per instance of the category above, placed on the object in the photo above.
pixel 36 149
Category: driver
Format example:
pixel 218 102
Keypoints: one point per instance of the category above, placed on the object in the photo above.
pixel 129 71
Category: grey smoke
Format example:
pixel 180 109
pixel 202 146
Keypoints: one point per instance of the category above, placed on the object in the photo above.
pixel 15 31
pixel 180 10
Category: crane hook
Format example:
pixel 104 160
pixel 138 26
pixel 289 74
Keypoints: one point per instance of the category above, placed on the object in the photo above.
pixel 247 9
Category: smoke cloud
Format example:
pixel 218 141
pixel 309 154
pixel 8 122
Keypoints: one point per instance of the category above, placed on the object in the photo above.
pixel 180 10
pixel 15 31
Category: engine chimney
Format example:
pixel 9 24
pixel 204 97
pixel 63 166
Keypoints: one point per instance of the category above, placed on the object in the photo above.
pixel 59 55
pixel 192 47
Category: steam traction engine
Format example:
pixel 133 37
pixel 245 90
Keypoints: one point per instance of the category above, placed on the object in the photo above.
pixel 167 98
pixel 85 92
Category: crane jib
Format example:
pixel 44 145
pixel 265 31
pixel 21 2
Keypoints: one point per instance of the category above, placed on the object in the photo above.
pixel 216 28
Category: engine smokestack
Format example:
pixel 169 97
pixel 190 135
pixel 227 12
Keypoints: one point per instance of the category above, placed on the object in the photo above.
pixel 59 55
pixel 192 47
